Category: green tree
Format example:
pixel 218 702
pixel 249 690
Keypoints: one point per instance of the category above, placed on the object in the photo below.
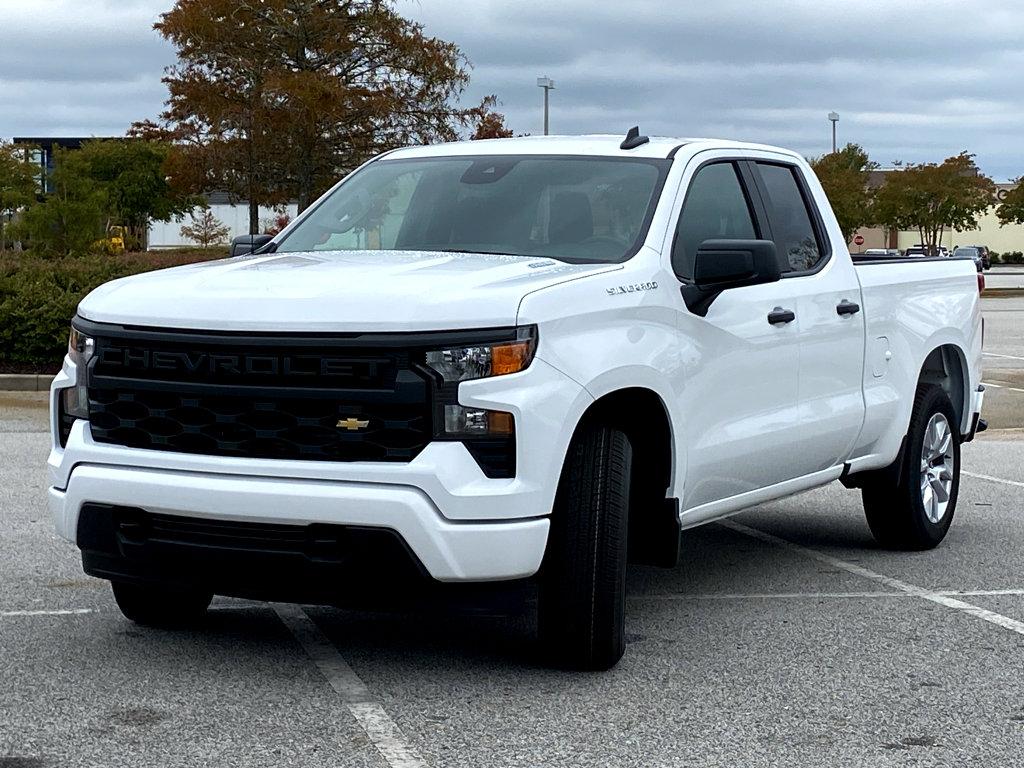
pixel 19 184
pixel 1011 209
pixel 132 174
pixel 272 99
pixel 844 175
pixel 73 215
pixel 930 197
pixel 206 229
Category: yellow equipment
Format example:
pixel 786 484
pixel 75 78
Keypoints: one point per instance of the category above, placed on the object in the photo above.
pixel 113 243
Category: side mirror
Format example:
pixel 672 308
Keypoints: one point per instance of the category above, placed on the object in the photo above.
pixel 723 264
pixel 246 244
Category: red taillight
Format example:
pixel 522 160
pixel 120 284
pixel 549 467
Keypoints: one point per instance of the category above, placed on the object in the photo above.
pixel 981 282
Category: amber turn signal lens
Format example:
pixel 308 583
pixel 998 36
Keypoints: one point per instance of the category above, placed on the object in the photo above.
pixel 500 423
pixel 510 358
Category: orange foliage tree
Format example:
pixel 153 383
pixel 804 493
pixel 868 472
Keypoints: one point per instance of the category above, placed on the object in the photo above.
pixel 273 100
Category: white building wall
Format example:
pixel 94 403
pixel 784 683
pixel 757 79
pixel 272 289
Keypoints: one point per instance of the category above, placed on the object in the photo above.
pixel 168 234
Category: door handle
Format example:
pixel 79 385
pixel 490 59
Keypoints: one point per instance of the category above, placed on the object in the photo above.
pixel 779 315
pixel 847 307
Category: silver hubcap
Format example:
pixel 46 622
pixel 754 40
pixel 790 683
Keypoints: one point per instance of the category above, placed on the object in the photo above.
pixel 937 467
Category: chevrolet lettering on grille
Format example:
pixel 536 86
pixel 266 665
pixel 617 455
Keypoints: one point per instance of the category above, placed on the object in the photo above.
pixel 136 359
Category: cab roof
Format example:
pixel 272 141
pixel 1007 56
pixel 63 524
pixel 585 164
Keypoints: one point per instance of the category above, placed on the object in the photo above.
pixel 594 144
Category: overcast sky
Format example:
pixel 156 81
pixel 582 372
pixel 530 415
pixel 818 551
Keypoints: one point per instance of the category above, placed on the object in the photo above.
pixel 913 80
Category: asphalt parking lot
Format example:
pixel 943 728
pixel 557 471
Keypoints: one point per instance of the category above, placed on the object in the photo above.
pixel 786 637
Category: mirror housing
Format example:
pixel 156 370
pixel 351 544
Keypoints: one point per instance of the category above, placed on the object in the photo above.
pixel 723 264
pixel 246 244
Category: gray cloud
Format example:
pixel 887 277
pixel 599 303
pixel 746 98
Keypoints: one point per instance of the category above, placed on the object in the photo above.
pixel 913 80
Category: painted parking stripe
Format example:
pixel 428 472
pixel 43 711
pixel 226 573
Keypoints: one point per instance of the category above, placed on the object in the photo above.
pixel 891 582
pixel 992 478
pixel 1000 355
pixel 45 612
pixel 364 707
pixel 1004 387
pixel 810 596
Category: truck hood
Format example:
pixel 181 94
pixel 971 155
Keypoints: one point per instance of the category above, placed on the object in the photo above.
pixel 333 291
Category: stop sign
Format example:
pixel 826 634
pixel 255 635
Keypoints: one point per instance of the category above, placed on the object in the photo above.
pixel 858 240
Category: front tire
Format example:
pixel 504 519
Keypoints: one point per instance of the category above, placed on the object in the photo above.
pixel 582 597
pixel 910 505
pixel 162 607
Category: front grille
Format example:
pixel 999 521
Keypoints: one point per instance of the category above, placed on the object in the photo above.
pixel 242 425
pixel 266 396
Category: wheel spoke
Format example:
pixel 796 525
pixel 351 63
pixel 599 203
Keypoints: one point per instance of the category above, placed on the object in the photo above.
pixel 940 490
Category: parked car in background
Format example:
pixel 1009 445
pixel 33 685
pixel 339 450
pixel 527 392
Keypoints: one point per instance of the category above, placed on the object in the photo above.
pixel 986 256
pixel 918 250
pixel 882 253
pixel 974 252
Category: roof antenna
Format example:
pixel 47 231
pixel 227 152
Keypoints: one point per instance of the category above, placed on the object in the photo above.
pixel 633 139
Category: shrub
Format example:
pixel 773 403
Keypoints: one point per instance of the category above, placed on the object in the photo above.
pixel 38 298
pixel 1012 257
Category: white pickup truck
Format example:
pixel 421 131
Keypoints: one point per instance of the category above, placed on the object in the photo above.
pixel 528 359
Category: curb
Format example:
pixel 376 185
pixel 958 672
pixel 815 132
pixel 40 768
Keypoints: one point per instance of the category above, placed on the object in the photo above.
pixel 1008 291
pixel 25 382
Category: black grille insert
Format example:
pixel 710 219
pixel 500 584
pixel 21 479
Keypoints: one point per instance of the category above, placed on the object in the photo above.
pixel 307 398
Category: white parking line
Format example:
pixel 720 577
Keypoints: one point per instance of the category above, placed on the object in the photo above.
pixel 1000 355
pixel 808 596
pixel 45 612
pixel 1004 387
pixel 904 587
pixel 992 478
pixel 364 707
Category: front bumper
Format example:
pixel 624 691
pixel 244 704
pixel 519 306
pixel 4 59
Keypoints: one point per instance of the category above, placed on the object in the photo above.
pixel 461 525
pixel 449 551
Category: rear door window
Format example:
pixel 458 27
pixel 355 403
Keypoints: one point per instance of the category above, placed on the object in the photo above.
pixel 797 238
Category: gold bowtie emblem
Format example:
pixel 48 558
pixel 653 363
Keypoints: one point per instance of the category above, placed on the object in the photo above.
pixel 352 423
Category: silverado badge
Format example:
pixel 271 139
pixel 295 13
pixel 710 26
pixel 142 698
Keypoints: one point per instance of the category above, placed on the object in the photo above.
pixel 351 423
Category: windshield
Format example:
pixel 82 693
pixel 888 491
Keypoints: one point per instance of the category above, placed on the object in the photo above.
pixel 966 252
pixel 578 209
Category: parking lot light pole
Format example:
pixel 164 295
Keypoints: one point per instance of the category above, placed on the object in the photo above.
pixel 834 118
pixel 547 84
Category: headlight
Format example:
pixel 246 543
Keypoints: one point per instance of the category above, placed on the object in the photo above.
pixel 488 435
pixel 80 348
pixel 459 364
pixel 75 400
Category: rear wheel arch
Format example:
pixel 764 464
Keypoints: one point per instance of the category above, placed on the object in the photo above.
pixel 946 367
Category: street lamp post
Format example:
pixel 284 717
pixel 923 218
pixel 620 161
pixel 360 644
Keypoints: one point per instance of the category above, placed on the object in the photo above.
pixel 547 84
pixel 834 117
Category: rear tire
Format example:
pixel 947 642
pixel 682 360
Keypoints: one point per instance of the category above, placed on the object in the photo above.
pixel 163 607
pixel 910 504
pixel 582 597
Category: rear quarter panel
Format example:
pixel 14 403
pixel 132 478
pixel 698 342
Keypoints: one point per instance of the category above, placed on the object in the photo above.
pixel 911 309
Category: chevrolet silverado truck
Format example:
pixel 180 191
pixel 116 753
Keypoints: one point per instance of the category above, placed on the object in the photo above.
pixel 525 361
